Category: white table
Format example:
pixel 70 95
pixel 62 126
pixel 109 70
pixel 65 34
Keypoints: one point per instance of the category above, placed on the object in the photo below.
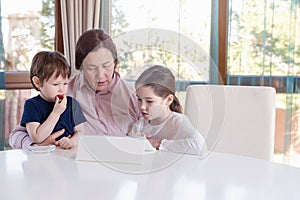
pixel 57 176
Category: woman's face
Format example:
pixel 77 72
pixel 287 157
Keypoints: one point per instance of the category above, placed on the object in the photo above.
pixel 98 68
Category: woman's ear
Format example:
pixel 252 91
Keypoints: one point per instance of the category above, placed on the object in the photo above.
pixel 36 82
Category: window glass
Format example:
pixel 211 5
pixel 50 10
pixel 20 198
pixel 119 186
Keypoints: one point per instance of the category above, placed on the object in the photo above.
pixel 26 28
pixel 263 49
pixel 178 37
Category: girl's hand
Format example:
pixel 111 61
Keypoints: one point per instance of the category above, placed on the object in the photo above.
pixel 137 135
pixel 65 142
pixel 60 105
pixel 154 142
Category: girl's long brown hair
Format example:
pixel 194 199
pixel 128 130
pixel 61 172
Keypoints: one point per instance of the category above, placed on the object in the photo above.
pixel 163 83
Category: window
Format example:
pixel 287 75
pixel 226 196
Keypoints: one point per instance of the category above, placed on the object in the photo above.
pixel 154 35
pixel 25 29
pixel 179 38
pixel 263 49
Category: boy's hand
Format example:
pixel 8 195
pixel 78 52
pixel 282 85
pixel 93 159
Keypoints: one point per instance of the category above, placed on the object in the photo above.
pixel 60 96
pixel 60 104
pixel 65 142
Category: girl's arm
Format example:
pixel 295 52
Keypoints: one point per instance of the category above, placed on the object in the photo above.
pixel 181 137
pixel 195 146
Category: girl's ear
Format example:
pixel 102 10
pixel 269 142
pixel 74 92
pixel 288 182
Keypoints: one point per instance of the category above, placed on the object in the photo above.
pixel 169 99
pixel 36 82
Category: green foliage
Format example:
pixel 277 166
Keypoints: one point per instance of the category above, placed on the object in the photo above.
pixel 263 38
pixel 2 54
pixel 119 23
pixel 48 24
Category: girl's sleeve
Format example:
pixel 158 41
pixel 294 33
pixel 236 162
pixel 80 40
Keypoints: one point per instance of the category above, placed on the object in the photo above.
pixel 195 145
pixel 188 141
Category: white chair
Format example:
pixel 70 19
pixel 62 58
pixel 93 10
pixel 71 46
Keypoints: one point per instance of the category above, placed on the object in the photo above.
pixel 234 119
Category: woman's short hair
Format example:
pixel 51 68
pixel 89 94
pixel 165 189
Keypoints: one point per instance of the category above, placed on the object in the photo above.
pixel 92 40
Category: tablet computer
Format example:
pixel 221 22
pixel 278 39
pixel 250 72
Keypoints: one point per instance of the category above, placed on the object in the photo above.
pixel 113 149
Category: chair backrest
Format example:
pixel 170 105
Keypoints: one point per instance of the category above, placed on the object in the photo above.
pixel 234 119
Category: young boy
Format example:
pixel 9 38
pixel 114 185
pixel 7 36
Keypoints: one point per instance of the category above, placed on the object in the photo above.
pixel 52 110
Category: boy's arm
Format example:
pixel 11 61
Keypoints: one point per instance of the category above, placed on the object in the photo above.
pixel 39 132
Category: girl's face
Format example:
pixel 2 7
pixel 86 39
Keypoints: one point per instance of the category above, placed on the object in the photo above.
pixel 98 68
pixel 53 87
pixel 153 107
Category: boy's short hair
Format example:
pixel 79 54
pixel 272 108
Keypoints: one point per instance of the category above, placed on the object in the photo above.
pixel 46 63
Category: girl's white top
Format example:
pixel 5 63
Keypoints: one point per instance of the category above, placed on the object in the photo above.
pixel 177 134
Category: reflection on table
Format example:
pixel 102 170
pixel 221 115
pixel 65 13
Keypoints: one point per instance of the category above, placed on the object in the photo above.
pixel 163 175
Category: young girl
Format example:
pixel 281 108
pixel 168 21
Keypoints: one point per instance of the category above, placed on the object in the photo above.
pixel 163 124
pixel 52 110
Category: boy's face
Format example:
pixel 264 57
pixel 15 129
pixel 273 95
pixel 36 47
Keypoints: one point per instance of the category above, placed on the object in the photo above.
pixel 53 87
pixel 152 107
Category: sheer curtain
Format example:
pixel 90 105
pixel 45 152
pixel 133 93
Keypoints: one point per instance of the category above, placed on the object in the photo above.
pixel 75 17
pixel 2 87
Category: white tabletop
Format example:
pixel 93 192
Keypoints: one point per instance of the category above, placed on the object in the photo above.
pixel 26 175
